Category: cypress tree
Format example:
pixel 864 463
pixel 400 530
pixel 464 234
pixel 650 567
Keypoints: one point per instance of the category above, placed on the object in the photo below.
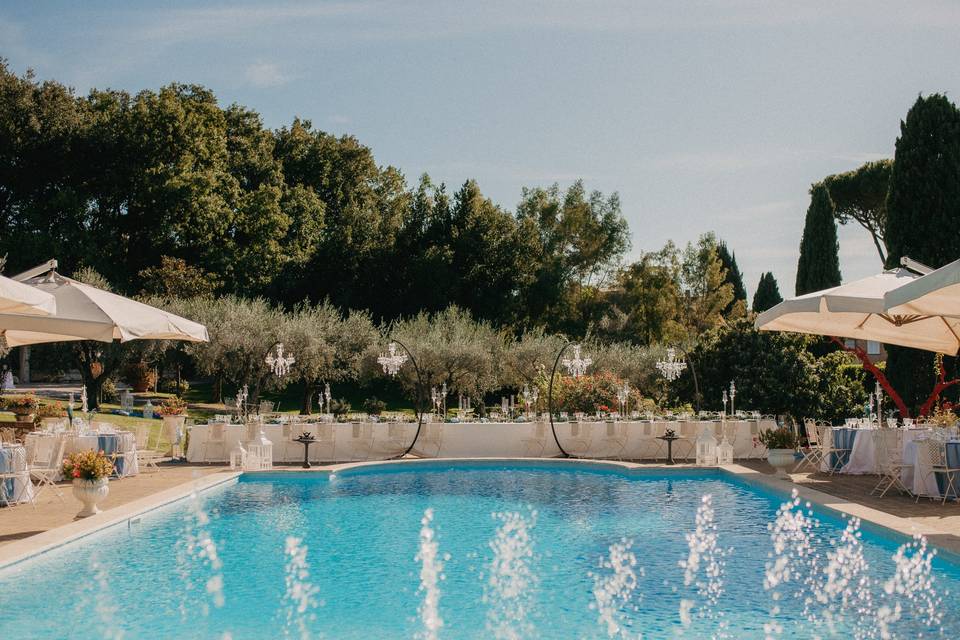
pixel 767 294
pixel 923 214
pixel 733 275
pixel 819 264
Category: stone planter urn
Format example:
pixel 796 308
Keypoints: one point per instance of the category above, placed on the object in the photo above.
pixel 173 428
pixel 781 460
pixel 90 492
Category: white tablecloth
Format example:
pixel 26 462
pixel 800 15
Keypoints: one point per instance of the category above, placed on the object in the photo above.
pixel 44 443
pixel 633 440
pixel 863 453
pixel 918 480
pixel 22 487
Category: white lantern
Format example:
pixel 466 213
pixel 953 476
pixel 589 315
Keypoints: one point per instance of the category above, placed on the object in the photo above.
pixel 724 452
pixel 706 448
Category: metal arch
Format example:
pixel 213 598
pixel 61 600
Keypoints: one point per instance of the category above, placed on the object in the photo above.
pixel 419 399
pixel 553 429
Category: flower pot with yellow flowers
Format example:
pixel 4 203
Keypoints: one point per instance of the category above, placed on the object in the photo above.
pixel 90 472
pixel 173 412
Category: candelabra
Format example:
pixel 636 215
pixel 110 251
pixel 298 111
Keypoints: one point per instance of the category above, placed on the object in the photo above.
pixel 391 363
pixel 725 403
pixel 623 396
pixel 577 365
pixel 329 396
pixel 279 364
pixel 320 398
pixel 733 394
pixel 671 368
pixel 83 399
pixel 242 395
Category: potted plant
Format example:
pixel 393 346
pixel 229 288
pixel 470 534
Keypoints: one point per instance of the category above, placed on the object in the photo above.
pixel 374 406
pixel 21 406
pixel 49 415
pixel 90 471
pixel 140 376
pixel 173 412
pixel 781 444
pixel 340 408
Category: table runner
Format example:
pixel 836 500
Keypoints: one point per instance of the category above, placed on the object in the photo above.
pixel 843 439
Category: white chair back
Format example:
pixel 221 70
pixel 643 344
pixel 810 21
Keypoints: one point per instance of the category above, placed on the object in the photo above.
pixel 215 432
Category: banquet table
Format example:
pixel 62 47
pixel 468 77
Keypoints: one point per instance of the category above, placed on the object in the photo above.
pixel 917 479
pixel 630 440
pixel 121 446
pixel 14 490
pixel 862 455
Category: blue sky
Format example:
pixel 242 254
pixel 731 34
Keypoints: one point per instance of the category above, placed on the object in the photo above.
pixel 704 116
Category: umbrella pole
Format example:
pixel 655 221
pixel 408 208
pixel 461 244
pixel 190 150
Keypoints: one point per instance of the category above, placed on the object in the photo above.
pixel 877 373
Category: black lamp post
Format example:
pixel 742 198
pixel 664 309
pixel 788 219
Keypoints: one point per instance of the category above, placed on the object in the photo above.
pixel 391 365
pixel 577 366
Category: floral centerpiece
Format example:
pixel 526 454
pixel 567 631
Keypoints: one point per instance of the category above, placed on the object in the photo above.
pixel 943 417
pixel 175 406
pixel 90 471
pixel 49 411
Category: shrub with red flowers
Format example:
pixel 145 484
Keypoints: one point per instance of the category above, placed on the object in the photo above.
pixel 592 393
pixel 174 406
pixel 21 405
pixel 87 465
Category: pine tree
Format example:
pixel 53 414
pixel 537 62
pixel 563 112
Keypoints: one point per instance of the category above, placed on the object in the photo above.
pixel 923 213
pixel 767 294
pixel 733 275
pixel 819 264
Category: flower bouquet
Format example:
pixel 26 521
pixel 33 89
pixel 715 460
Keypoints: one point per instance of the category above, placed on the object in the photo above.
pixel 87 465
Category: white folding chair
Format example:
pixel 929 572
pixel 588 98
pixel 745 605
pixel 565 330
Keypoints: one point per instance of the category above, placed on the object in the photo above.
pixel 686 445
pixel 651 433
pixel 931 459
pixel 615 440
pixel 536 443
pixel 216 439
pixel 361 440
pixel 813 452
pixel 46 472
pixel 18 473
pixel 265 407
pixel 324 449
pixel 581 438
pixel 889 452
pixel 147 458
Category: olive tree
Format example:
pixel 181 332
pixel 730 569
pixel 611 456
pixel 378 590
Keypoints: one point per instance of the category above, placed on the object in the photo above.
pixel 328 346
pixel 450 347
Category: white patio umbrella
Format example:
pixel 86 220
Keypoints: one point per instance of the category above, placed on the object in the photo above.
pixel 934 294
pixel 84 312
pixel 858 310
pixel 16 297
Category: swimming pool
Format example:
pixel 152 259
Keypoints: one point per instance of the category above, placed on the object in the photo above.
pixel 479 550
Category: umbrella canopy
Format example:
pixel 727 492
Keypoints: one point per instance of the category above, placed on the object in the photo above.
pixel 16 297
pixel 935 294
pixel 858 310
pixel 84 312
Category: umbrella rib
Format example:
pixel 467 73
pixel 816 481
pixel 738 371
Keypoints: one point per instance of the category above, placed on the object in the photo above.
pixel 950 329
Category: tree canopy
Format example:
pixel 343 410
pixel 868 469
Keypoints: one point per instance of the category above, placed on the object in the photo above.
pixel 861 196
pixel 819 264
pixel 767 294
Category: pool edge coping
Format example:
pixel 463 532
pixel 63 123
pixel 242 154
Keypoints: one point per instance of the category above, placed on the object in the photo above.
pixel 33 546
pixel 36 545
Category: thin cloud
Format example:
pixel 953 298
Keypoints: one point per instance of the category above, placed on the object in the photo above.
pixel 263 75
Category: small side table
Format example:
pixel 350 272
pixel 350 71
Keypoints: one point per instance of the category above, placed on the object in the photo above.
pixel 306 440
pixel 669 440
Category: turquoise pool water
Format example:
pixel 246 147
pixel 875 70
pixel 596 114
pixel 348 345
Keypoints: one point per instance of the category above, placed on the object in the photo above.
pixel 361 574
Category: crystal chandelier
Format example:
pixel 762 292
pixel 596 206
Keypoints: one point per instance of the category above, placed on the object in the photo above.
pixel 279 364
pixel 577 366
pixel 391 363
pixel 671 368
